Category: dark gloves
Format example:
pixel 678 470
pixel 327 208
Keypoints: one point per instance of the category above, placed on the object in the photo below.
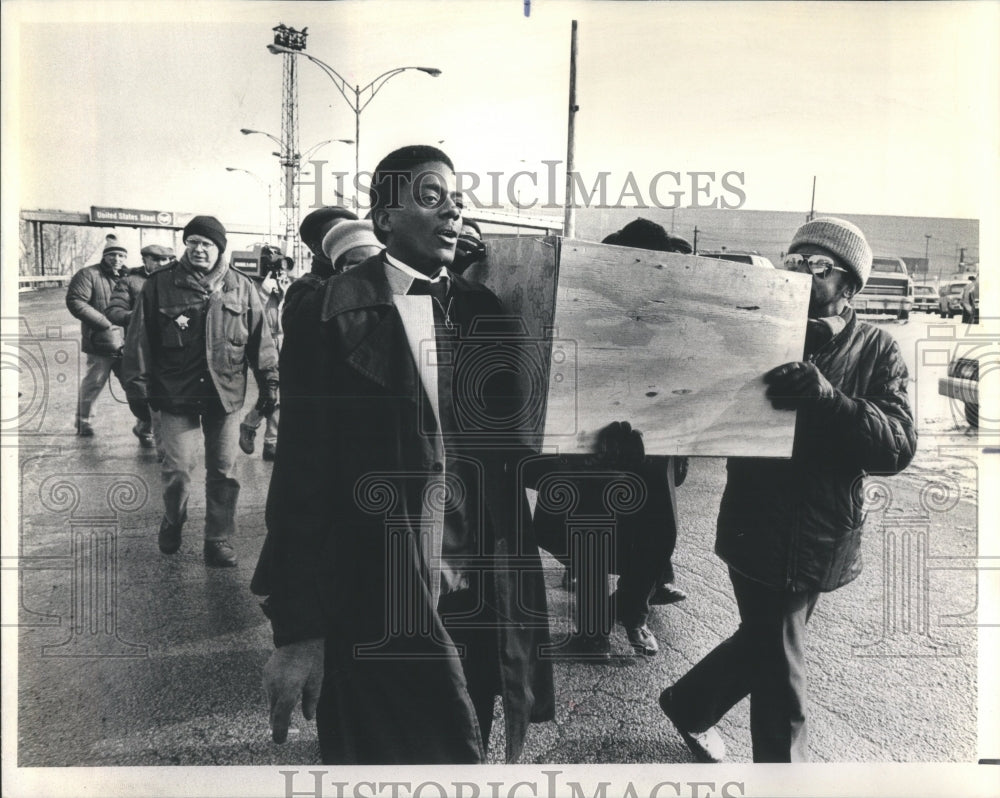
pixel 620 446
pixel 468 250
pixel 795 385
pixel 267 400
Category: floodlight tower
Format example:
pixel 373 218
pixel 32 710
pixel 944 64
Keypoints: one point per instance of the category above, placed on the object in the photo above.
pixel 295 41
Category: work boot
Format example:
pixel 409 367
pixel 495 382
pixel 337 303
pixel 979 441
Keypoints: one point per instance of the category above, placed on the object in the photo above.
pixel 83 429
pixel 270 451
pixel 247 435
pixel 219 554
pixel 143 430
pixel 169 537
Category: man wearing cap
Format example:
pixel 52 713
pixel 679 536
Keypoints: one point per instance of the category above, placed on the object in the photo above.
pixel 199 324
pixel 123 301
pixel 87 298
pixel 791 529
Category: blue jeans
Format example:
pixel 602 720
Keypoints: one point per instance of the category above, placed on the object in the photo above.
pixel 180 436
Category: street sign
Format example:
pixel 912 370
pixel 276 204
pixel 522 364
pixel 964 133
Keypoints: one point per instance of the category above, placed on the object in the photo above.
pixel 131 216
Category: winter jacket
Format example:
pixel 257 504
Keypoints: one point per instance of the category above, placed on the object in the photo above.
pixel 87 298
pixel 125 296
pixel 796 524
pixel 191 338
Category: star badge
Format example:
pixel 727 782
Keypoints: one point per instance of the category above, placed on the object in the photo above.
pixel 182 321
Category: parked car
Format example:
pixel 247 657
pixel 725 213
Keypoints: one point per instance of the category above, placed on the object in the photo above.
pixel 950 298
pixel 925 298
pixel 889 289
pixel 962 383
pixel 737 256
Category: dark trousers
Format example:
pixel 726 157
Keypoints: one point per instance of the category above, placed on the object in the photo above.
pixel 477 639
pixel 764 659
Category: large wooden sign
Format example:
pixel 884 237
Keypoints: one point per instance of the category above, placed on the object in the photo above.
pixel 674 344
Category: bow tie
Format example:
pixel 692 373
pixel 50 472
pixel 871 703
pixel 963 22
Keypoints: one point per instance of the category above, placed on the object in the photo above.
pixel 435 288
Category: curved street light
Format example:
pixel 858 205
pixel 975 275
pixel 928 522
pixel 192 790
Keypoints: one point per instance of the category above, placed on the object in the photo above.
pixel 255 176
pixel 353 96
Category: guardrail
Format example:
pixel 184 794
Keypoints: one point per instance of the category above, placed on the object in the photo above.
pixel 29 281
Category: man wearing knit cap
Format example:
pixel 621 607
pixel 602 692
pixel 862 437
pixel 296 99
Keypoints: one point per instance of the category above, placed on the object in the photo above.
pixel 349 243
pixel 87 298
pixel 199 324
pixel 123 301
pixel 791 529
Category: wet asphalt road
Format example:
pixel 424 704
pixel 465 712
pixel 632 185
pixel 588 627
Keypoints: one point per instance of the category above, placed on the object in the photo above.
pixel 160 663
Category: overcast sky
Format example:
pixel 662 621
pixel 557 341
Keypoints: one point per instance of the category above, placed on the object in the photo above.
pixel 893 106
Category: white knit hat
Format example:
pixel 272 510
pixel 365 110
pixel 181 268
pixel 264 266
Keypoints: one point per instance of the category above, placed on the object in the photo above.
pixel 345 236
pixel 843 239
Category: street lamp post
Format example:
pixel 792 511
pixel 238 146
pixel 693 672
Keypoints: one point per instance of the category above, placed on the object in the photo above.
pixel 353 95
pixel 291 163
pixel 270 228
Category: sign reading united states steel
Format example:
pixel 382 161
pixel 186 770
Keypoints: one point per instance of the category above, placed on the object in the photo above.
pixel 131 216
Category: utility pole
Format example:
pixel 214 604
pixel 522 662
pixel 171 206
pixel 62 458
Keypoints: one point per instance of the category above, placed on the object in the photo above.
pixel 569 219
pixel 927 249
pixel 695 246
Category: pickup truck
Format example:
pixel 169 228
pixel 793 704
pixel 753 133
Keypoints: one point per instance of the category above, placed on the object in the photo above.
pixel 889 289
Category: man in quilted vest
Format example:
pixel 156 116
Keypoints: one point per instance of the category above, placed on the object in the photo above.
pixel 791 529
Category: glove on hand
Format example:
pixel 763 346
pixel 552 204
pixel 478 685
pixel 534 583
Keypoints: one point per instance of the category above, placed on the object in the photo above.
pixel 620 446
pixel 794 385
pixel 267 401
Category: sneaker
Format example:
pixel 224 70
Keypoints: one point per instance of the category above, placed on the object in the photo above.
pixel 169 538
pixel 667 593
pixel 247 435
pixel 219 554
pixel 84 430
pixel 270 451
pixel 642 639
pixel 143 430
pixel 707 746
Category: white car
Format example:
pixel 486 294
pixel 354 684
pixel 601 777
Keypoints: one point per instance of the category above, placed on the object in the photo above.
pixel 925 298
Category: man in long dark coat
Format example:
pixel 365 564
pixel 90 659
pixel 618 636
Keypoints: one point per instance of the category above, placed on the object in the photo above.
pixel 399 567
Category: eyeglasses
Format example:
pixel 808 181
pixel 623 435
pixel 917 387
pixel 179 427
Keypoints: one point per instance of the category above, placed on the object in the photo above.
pixel 819 265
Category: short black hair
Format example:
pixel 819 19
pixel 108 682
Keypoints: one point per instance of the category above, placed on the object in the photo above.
pixel 400 164
pixel 644 234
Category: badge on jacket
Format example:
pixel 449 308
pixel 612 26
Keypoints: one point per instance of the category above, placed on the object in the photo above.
pixel 182 321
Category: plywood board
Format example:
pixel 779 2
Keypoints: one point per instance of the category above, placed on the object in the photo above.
pixel 674 344
pixel 522 271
